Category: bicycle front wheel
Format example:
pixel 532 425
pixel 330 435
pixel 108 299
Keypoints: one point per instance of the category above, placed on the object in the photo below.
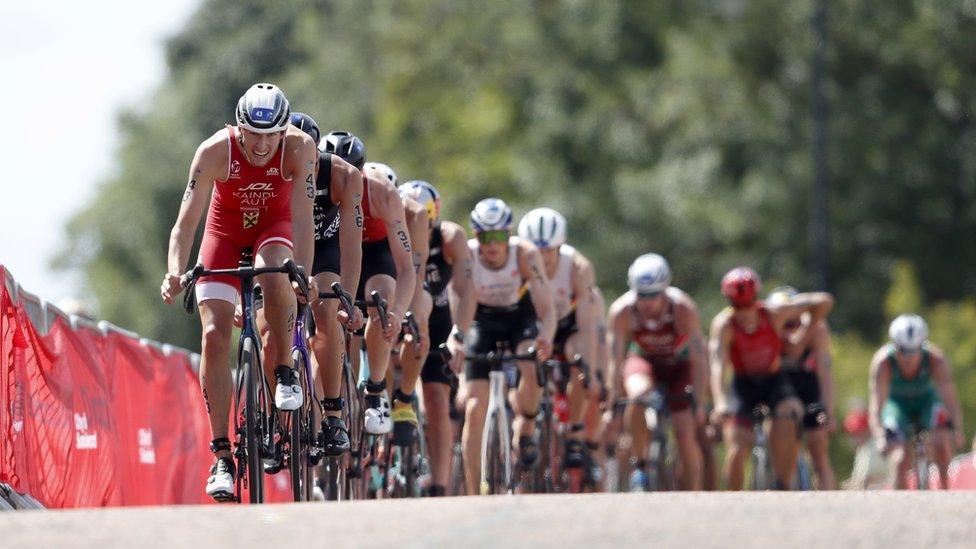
pixel 301 435
pixel 251 367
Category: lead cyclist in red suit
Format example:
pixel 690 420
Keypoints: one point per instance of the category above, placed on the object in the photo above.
pixel 257 178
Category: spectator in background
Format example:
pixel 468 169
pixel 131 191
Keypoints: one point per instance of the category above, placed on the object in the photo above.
pixel 870 470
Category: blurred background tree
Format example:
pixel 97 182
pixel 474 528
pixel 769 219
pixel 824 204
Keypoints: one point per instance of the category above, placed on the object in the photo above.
pixel 679 126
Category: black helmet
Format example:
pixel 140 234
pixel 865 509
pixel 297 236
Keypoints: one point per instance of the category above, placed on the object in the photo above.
pixel 346 146
pixel 307 124
pixel 263 109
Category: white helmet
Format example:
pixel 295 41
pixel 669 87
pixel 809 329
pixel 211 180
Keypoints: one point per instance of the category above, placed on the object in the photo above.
pixel 491 214
pixel 424 193
pixel 908 332
pixel 781 295
pixel 649 274
pixel 384 171
pixel 544 227
pixel 263 109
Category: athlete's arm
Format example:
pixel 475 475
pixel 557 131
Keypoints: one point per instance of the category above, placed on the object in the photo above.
pixel 385 201
pixel 347 191
pixel 619 336
pixel 820 347
pixel 942 375
pixel 461 294
pixel 688 322
pixel 818 304
pixel 209 164
pixel 418 225
pixel 582 285
pixel 302 156
pixel 532 269
pixel 720 345
pixel 879 384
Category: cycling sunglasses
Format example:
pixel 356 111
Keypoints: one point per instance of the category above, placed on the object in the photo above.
pixel 907 351
pixel 791 325
pixel 487 237
pixel 648 295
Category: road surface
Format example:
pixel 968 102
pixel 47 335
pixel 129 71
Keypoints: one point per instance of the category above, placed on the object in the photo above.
pixel 685 520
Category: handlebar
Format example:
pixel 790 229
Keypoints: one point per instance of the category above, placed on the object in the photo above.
pixel 344 297
pixel 491 356
pixel 410 326
pixel 189 279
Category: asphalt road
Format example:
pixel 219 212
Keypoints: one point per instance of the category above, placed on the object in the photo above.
pixel 686 520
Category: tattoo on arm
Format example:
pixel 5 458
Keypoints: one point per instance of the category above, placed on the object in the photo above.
pixel 189 188
pixel 535 271
pixel 468 268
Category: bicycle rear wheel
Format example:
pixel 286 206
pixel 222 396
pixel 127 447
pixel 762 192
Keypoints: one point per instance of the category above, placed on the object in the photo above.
pixel 250 365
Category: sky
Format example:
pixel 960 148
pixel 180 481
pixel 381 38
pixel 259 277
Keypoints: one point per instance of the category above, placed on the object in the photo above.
pixel 68 69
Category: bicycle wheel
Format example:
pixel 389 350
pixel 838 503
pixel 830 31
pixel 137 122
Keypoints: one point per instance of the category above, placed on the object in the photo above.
pixel 760 469
pixel 301 436
pixel 251 367
pixel 351 477
pixel 493 480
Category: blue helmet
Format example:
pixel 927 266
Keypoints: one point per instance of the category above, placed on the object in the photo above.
pixel 307 124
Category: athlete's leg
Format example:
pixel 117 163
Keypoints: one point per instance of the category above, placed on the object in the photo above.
pixel 817 443
pixel 529 394
pixel 685 433
pixel 328 342
pixel 740 438
pixel 637 384
pixel 709 464
pixel 279 313
pixel 940 452
pixel 377 347
pixel 412 355
pixel 784 446
pixel 476 406
pixel 217 320
pixel 440 434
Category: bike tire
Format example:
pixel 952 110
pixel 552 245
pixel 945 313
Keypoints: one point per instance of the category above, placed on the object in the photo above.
pixel 353 477
pixel 251 366
pixel 301 436
pixel 494 481
pixel 760 470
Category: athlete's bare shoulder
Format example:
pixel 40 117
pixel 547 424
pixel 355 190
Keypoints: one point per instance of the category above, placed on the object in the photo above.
pixel 384 200
pixel 451 231
pixel 681 299
pixel 622 303
pixel 213 155
pixel 298 148
pixel 722 320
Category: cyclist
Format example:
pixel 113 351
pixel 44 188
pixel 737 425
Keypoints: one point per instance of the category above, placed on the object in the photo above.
pixel 448 263
pixel 746 338
pixel 411 353
pixel 387 267
pixel 912 388
pixel 257 178
pixel 807 362
pixel 338 218
pixel 656 345
pixel 571 279
pixel 502 262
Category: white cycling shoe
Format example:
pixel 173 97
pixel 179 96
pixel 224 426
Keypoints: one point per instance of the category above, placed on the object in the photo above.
pixel 288 393
pixel 220 484
pixel 378 420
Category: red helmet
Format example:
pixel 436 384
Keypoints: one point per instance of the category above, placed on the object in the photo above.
pixel 741 285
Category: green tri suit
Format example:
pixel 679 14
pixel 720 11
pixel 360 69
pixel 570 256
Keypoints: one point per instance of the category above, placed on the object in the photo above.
pixel 912 402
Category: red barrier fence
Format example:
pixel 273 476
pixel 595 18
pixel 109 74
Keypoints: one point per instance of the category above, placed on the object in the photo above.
pixel 92 416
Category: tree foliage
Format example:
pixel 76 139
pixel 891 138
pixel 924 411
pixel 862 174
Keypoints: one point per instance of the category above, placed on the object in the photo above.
pixel 682 127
